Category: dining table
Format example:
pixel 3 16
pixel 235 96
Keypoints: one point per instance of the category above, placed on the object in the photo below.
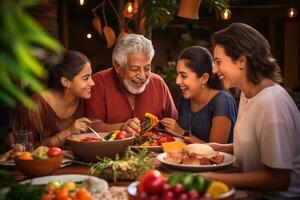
pixel 80 168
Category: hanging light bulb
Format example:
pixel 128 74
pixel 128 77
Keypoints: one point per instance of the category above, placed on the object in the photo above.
pixel 225 14
pixel 89 36
pixel 292 12
pixel 81 2
pixel 130 9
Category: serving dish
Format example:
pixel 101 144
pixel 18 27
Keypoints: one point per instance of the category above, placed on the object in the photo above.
pixel 88 151
pixel 229 159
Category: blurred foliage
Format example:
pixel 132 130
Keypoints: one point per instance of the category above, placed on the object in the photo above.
pixel 160 13
pixel 216 6
pixel 20 37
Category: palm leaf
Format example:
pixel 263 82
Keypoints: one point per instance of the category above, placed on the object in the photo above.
pixel 18 36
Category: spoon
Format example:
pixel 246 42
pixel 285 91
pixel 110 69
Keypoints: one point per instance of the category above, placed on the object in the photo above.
pixel 95 132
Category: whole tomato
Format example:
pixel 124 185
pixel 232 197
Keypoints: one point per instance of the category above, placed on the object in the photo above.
pixel 121 135
pixel 54 151
pixel 152 182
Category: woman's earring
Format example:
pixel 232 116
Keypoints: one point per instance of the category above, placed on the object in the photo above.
pixel 202 85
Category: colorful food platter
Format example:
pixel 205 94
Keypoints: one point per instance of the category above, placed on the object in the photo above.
pixel 157 148
pixel 228 160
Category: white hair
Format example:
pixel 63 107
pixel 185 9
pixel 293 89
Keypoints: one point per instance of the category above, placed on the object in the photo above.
pixel 131 43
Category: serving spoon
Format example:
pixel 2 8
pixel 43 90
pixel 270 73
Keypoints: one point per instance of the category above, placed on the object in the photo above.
pixel 95 133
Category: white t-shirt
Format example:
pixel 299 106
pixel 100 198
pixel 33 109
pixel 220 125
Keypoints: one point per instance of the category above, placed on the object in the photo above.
pixel 267 133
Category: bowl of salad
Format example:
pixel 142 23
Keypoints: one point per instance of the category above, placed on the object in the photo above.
pixel 87 147
pixel 154 185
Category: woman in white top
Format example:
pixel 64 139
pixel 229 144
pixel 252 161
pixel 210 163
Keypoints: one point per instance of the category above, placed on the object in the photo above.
pixel 267 132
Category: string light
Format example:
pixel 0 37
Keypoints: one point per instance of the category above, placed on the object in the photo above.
pixel 225 14
pixel 89 36
pixel 292 12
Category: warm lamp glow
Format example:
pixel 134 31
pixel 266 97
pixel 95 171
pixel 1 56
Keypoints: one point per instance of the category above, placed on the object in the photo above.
pixel 225 14
pixel 130 9
pixel 81 2
pixel 89 36
pixel 292 12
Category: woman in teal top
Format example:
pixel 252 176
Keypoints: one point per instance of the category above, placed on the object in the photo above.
pixel 205 113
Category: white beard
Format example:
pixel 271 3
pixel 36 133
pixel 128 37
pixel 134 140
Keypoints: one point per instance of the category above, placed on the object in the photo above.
pixel 132 90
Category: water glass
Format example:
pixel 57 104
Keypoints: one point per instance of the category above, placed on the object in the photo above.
pixel 25 138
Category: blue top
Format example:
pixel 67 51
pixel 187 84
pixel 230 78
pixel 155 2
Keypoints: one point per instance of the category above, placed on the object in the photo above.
pixel 222 104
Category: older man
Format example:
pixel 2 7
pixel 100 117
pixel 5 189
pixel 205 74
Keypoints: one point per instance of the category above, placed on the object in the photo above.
pixel 123 94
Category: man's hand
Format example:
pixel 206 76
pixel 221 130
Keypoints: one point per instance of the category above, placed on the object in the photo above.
pixel 132 126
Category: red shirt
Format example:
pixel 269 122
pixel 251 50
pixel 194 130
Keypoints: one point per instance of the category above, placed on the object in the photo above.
pixel 110 104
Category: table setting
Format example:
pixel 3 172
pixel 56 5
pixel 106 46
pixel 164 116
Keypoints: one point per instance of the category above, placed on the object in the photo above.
pixel 119 168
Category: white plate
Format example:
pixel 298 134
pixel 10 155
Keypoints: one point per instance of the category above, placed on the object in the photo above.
pixel 8 163
pixel 65 162
pixel 228 160
pixel 101 183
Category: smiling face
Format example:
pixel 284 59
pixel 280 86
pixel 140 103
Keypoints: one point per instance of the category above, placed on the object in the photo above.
pixel 82 83
pixel 230 72
pixel 187 80
pixel 135 75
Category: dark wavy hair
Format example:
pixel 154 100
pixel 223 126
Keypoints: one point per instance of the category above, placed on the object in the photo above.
pixel 67 65
pixel 241 39
pixel 200 61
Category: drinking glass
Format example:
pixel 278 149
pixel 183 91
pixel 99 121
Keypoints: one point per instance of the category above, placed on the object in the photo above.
pixel 25 138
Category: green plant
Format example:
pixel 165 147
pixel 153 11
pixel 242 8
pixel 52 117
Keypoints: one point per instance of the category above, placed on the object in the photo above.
pixel 20 37
pixel 150 14
pixel 158 13
pixel 216 6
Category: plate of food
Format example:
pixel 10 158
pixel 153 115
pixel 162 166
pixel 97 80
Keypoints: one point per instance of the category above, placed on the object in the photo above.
pixel 71 186
pixel 92 181
pixel 196 157
pixel 151 137
pixel 153 140
pixel 154 185
pixel 7 159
